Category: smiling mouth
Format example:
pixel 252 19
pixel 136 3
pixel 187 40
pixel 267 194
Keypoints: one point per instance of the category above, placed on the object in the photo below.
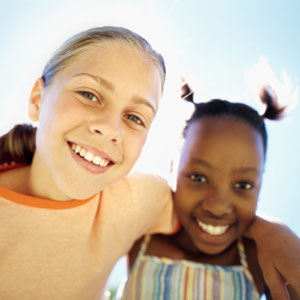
pixel 211 229
pixel 90 157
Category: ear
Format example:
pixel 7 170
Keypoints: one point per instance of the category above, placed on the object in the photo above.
pixel 35 100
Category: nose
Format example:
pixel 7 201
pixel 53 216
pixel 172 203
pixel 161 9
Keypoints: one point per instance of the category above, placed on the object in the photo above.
pixel 218 203
pixel 108 126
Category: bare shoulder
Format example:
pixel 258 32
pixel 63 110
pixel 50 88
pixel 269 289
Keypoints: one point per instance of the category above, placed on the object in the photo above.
pixel 134 251
pixel 252 260
pixel 160 245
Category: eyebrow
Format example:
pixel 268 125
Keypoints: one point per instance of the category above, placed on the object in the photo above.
pixel 109 86
pixel 237 170
pixel 203 162
pixel 246 170
pixel 140 100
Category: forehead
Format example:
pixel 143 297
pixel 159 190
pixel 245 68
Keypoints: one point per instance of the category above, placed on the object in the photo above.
pixel 109 52
pixel 223 139
pixel 124 66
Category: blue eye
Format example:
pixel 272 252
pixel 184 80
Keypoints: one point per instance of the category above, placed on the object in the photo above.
pixel 135 119
pixel 243 185
pixel 198 178
pixel 90 96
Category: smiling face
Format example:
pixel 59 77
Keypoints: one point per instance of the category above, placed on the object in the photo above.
pixel 93 120
pixel 219 178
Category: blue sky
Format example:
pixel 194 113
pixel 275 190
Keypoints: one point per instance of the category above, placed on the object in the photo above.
pixel 226 49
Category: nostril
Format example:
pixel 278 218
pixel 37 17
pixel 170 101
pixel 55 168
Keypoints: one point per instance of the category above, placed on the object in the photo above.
pixel 115 140
pixel 106 131
pixel 98 131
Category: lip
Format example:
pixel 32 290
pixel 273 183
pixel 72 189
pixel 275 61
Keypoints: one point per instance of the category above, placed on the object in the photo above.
pixel 89 166
pixel 94 150
pixel 217 240
pixel 214 221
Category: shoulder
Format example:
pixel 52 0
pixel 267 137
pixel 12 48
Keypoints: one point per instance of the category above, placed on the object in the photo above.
pixel 136 185
pixel 160 245
pixel 147 181
pixel 134 251
pixel 145 198
pixel 14 176
pixel 253 264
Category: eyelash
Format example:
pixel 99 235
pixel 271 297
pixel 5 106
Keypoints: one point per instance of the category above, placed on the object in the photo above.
pixel 243 185
pixel 86 95
pixel 194 177
pixel 135 119
pixel 138 121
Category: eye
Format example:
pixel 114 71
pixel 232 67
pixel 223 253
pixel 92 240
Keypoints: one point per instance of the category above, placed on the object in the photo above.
pixel 198 178
pixel 88 95
pixel 135 119
pixel 243 185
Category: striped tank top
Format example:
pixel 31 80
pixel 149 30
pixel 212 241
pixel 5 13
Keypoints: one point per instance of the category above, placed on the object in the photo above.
pixel 156 278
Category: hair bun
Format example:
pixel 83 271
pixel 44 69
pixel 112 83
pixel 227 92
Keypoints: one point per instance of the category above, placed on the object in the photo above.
pixel 186 92
pixel 273 110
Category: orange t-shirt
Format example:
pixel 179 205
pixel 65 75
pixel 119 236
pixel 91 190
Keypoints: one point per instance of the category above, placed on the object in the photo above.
pixel 54 250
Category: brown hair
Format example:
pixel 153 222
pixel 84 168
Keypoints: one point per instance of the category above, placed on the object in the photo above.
pixel 18 144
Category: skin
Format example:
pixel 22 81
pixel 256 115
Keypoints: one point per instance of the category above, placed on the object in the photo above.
pixel 220 174
pixel 66 114
pixel 219 158
pixel 104 101
pixel 218 183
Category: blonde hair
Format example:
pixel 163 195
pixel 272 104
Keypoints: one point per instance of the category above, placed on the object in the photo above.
pixel 18 144
pixel 80 42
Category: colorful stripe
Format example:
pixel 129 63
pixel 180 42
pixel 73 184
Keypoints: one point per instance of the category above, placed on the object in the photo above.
pixel 154 278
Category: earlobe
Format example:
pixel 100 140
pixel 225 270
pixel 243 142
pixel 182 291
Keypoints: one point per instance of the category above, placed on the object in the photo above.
pixel 35 100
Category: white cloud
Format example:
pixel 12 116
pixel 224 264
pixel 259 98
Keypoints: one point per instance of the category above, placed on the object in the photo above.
pixel 261 74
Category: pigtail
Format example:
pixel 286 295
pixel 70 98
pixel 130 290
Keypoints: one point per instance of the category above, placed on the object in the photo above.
pixel 273 110
pixel 18 145
pixel 187 93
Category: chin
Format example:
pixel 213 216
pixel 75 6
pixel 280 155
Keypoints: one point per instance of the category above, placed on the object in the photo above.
pixel 213 249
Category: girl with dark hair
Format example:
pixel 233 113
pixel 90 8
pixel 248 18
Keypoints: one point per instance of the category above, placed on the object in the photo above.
pixel 218 183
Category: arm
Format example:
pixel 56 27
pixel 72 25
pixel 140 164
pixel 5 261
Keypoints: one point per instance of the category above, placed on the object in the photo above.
pixel 278 250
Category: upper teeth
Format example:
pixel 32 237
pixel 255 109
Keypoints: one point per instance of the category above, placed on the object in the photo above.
pixel 89 156
pixel 213 230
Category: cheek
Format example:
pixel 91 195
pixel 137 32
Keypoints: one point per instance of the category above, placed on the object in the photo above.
pixel 246 213
pixel 182 206
pixel 51 115
pixel 133 145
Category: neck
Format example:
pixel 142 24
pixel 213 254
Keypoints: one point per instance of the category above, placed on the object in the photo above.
pixel 229 256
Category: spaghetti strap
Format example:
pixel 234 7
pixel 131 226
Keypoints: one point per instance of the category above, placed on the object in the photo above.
pixel 144 246
pixel 243 259
pixel 155 277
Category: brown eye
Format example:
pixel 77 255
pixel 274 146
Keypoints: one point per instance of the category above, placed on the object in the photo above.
pixel 243 185
pixel 198 178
